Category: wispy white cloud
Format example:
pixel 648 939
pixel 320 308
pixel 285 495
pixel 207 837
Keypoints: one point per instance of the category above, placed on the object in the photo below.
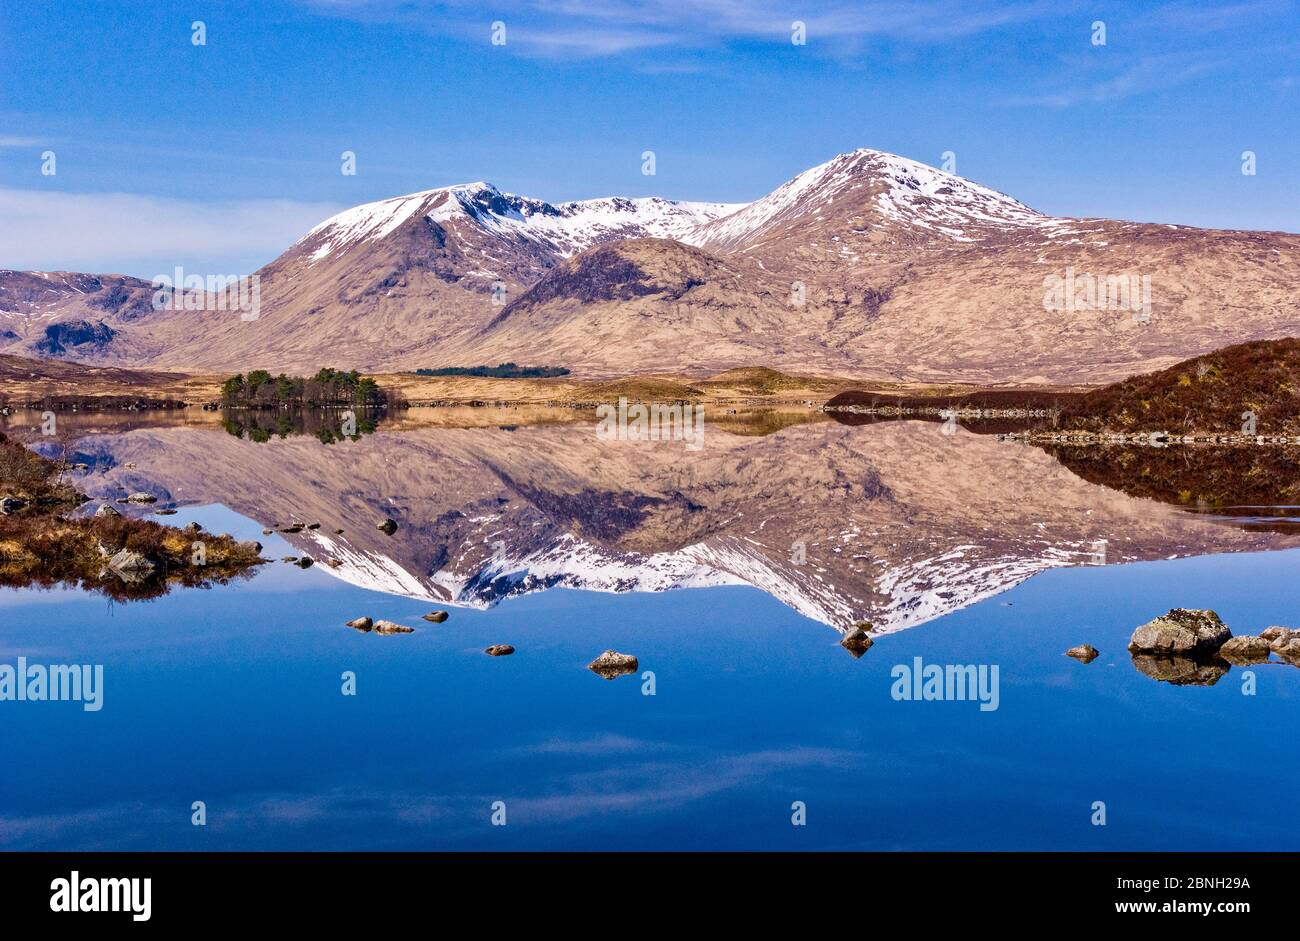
pixel 600 28
pixel 623 782
pixel 134 234
pixel 1150 74
pixel 10 141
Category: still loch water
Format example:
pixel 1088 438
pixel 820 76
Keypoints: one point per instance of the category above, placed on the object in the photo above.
pixel 960 550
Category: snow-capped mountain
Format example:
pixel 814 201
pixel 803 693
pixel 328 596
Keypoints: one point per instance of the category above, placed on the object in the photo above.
pixel 872 191
pixel 868 264
pixel 872 264
pixel 561 229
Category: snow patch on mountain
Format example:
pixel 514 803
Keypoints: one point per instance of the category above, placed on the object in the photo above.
pixel 564 229
pixel 926 589
pixel 904 192
pixel 807 593
pixel 568 562
pixel 371 570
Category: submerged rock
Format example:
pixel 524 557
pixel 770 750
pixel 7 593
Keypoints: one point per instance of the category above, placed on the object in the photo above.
pixel 164 511
pixel 612 664
pixel 391 627
pixel 435 617
pixel 361 624
pixel 1244 649
pixel 499 650
pixel 1182 632
pixel 1084 652
pixel 1181 671
pixel 388 526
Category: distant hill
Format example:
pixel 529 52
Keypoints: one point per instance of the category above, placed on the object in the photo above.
pixel 24 379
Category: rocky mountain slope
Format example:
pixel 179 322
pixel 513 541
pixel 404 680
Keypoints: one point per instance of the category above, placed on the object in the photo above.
pixel 880 265
pixel 384 283
pixel 870 264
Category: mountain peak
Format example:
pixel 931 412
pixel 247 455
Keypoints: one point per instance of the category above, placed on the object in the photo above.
pixel 872 192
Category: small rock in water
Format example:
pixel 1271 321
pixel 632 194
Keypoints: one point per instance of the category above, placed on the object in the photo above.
pixel 1244 649
pixel 338 532
pixel 499 650
pixel 130 566
pixel 1182 632
pixel 613 664
pixel 390 627
pixel 435 617
pixel 388 526
pixel 164 511
pixel 305 562
pixel 857 641
pixel 333 563
pixel 1289 650
pixel 1085 652
pixel 1278 637
pixel 267 532
pixel 313 525
pixel 142 498
pixel 361 624
pixel 295 528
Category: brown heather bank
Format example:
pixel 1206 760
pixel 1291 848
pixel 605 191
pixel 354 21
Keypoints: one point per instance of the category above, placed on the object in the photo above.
pixel 55 383
pixel 45 542
pixel 753 385
pixel 1199 396
pixel 30 383
pixel 1211 398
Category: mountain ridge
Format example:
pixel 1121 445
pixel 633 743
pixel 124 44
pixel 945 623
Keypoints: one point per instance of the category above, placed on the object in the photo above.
pixel 868 264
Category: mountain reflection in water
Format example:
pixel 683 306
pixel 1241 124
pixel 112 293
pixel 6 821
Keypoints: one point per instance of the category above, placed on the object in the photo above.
pixel 892 522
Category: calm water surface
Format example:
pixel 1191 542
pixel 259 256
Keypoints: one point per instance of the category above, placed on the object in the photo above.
pixel 962 550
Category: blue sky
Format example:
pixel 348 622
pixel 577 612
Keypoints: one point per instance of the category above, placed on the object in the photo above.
pixel 218 156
